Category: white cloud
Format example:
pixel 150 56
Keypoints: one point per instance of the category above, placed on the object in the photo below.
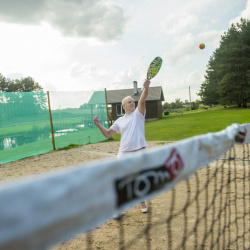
pixel 136 71
pixel 182 51
pixel 124 79
pixel 87 71
pixel 210 36
pixel 194 79
pixel 74 44
pixel 244 14
pixel 81 18
pixel 179 24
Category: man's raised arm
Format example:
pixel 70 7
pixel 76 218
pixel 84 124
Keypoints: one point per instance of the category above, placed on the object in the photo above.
pixel 106 132
pixel 144 96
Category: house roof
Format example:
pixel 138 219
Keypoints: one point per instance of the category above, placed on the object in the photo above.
pixel 116 96
pixel 98 97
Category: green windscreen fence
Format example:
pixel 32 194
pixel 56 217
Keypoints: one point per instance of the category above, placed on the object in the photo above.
pixel 26 124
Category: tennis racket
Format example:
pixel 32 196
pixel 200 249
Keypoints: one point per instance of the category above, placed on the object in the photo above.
pixel 153 68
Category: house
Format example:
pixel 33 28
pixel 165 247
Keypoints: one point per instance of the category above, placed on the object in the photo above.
pixel 153 103
pixel 95 106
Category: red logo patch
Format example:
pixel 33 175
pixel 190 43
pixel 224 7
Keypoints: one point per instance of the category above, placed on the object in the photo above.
pixel 241 136
pixel 174 163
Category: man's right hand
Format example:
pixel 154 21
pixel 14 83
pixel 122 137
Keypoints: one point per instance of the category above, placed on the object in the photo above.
pixel 146 83
pixel 96 120
pixel 106 132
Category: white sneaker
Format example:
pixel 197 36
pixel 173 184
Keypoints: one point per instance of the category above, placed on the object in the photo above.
pixel 143 207
pixel 117 216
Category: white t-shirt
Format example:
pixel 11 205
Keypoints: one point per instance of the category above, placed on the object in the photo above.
pixel 132 131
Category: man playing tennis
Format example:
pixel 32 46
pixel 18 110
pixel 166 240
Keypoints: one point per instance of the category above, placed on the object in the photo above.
pixel 131 126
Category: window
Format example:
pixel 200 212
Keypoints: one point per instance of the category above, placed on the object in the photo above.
pixel 119 110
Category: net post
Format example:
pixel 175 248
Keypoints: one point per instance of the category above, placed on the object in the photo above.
pixel 51 123
pixel 106 106
pixel 190 98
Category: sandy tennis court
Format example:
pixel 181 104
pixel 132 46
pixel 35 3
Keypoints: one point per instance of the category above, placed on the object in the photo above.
pixel 212 227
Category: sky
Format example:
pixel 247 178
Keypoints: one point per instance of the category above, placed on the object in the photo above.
pixel 87 45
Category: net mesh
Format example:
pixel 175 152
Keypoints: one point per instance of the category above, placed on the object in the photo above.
pixel 210 210
pixel 26 127
pixel 206 206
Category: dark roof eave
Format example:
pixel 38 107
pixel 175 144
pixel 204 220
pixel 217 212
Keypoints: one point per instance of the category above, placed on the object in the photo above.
pixel 116 96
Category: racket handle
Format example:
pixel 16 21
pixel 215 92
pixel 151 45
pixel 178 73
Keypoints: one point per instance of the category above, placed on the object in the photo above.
pixel 143 86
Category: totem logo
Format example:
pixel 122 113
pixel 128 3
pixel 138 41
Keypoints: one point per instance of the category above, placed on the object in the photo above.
pixel 241 136
pixel 145 182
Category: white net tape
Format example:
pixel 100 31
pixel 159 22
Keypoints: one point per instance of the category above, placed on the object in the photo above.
pixel 40 211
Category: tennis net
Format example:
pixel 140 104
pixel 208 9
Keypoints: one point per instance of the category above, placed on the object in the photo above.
pixel 206 206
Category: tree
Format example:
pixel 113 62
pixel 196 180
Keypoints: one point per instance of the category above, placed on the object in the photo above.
pixel 166 106
pixel 173 105
pixel 18 103
pixel 26 84
pixel 195 105
pixel 227 78
pixel 178 103
pixel 209 88
pixel 4 83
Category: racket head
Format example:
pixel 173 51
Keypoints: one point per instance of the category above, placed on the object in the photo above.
pixel 154 67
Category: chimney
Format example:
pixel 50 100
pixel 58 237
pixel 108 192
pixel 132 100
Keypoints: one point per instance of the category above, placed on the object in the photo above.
pixel 135 88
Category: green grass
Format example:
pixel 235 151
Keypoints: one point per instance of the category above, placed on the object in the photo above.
pixel 173 127
pixel 178 126
pixel 64 142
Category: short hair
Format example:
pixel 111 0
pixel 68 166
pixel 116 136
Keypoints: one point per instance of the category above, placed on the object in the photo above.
pixel 124 99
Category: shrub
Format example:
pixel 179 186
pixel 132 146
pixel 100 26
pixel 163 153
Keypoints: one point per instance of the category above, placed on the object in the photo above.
pixel 166 112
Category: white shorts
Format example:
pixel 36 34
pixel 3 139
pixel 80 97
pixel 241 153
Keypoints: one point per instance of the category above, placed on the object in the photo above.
pixel 122 153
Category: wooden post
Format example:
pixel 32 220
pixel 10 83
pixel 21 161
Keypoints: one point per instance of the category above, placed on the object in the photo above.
pixel 106 106
pixel 51 123
pixel 190 98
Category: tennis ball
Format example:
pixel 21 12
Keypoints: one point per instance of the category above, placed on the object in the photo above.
pixel 202 46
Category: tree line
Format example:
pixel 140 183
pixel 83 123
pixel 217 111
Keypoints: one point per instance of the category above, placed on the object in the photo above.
pixel 15 105
pixel 227 79
pixel 178 104
pixel 26 84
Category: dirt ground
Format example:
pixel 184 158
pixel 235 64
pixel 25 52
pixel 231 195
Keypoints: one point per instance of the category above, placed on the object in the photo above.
pixel 209 211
